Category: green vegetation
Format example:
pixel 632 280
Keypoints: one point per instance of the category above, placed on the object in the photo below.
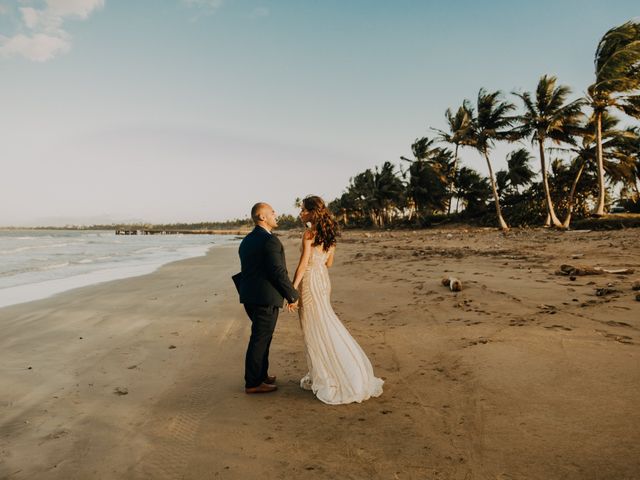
pixel 584 156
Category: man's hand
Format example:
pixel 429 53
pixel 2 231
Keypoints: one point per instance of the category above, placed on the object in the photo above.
pixel 292 307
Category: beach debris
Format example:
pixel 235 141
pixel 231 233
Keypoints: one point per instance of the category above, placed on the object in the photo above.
pixel 638 297
pixel 577 255
pixel 172 346
pixel 121 390
pixel 453 283
pixel 550 309
pixel 601 292
pixel 566 269
pixel 572 278
pixel 635 285
pixel 57 434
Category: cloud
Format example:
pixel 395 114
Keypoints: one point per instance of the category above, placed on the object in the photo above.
pixel 74 8
pixel 39 47
pixel 208 5
pixel 260 12
pixel 205 7
pixel 41 35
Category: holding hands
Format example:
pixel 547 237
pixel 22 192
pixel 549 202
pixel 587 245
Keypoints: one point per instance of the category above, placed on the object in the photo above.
pixel 292 307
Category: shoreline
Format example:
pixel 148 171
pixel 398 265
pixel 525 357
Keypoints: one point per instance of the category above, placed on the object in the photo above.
pixel 142 377
pixel 114 270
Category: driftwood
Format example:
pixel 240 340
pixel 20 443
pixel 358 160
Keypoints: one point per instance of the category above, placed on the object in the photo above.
pixel 453 283
pixel 589 270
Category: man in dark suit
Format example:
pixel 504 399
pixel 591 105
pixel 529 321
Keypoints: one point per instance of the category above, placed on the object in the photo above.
pixel 263 285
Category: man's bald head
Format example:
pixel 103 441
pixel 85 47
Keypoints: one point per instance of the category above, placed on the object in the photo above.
pixel 258 211
pixel 264 215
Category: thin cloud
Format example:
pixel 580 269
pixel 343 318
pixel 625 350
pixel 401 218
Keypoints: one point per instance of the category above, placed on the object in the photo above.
pixel 208 6
pixel 40 31
pixel 204 7
pixel 260 12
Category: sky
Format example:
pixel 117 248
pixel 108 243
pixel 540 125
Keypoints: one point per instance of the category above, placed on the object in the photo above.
pixel 193 110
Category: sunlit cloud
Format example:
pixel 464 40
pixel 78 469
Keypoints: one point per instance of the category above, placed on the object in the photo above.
pixel 40 32
pixel 39 47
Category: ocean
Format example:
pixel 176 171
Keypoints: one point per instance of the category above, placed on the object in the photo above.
pixel 36 264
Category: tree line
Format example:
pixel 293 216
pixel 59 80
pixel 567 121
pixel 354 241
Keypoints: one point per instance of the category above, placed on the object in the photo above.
pixel 584 154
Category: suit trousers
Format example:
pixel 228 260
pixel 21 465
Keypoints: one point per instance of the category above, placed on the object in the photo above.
pixel 263 322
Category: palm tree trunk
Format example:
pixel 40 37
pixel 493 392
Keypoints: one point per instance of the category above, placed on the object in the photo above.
pixel 503 224
pixel 545 182
pixel 599 211
pixel 572 192
pixel 455 165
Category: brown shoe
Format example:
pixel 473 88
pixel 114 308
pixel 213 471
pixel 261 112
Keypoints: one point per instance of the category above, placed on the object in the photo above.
pixel 270 380
pixel 262 388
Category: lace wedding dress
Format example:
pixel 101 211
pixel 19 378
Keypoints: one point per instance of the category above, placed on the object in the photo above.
pixel 339 370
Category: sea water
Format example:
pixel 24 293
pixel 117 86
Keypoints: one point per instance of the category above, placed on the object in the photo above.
pixel 36 264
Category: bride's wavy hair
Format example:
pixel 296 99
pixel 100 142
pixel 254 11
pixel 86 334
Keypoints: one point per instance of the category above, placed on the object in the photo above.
pixel 326 228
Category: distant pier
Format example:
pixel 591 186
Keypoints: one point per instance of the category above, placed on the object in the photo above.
pixel 181 232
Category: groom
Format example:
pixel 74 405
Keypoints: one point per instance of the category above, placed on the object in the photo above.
pixel 263 285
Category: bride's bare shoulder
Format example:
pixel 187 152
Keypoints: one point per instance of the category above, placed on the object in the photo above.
pixel 308 235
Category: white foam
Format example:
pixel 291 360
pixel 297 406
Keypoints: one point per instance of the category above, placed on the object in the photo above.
pixel 38 291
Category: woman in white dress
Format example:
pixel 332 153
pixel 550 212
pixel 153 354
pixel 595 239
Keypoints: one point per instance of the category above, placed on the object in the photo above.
pixel 339 370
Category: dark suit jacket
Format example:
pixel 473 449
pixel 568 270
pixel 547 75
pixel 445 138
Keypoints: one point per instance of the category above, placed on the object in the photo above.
pixel 264 279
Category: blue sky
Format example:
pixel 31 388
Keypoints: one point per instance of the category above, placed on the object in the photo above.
pixel 189 110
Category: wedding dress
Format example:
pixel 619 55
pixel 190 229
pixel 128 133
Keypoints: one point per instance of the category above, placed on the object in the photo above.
pixel 339 370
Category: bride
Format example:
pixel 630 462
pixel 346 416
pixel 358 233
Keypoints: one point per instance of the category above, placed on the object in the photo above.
pixel 339 371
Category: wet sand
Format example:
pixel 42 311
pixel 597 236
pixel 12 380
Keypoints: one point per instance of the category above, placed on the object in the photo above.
pixel 524 374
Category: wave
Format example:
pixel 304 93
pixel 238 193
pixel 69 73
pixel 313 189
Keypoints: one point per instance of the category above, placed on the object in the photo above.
pixel 40 268
pixel 37 247
pixel 150 249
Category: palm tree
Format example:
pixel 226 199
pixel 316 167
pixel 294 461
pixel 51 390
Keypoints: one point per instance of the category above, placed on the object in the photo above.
pixel 422 180
pixel 373 193
pixel 548 117
pixel 458 134
pixel 422 148
pixel 628 168
pixel 519 172
pixel 473 189
pixel 618 149
pixel 388 192
pixel 490 125
pixel 617 65
pixel 429 176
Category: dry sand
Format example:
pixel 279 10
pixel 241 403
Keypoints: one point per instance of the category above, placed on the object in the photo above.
pixel 523 374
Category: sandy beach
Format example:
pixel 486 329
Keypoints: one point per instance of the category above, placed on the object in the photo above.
pixel 524 374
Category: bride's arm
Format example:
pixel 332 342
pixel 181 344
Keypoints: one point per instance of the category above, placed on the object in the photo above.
pixel 329 261
pixel 307 240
